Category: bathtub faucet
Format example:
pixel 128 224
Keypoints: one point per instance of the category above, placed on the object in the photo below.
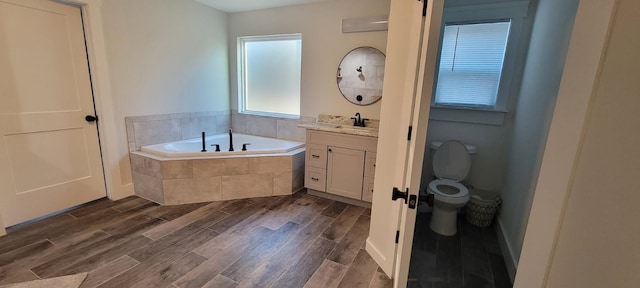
pixel 230 140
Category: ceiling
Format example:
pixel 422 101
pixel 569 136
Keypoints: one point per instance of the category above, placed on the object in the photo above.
pixel 232 6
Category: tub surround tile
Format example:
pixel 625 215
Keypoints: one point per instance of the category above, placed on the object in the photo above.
pixel 148 187
pixel 264 126
pixel 193 127
pixel 289 130
pixel 168 181
pixel 247 186
pixel 157 131
pixel 210 189
pixel 193 190
pixel 178 169
pixel 282 183
pixel 239 123
pixel 144 165
pixel 270 164
pixel 223 123
pixel 298 161
pixel 220 167
pixel 297 180
pixel 132 147
pixel 178 191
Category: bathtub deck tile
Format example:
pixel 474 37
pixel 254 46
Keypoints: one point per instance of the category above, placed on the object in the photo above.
pixel 186 245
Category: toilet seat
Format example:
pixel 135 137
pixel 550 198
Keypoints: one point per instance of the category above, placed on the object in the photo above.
pixel 451 164
pixel 462 190
pixel 461 197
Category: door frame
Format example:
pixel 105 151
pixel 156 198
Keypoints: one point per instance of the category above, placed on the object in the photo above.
pixel 579 83
pixel 97 57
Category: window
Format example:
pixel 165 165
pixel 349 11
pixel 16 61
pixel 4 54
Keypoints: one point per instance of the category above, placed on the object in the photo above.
pixel 471 61
pixel 481 60
pixel 269 74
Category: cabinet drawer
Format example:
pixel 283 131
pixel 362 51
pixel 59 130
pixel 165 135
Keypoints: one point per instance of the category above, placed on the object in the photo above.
pixel 367 189
pixel 370 164
pixel 315 178
pixel 316 156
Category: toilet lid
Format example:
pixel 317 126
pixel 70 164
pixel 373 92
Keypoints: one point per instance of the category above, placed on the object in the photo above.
pixel 452 161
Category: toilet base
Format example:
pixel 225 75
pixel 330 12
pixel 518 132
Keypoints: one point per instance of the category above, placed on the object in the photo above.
pixel 444 221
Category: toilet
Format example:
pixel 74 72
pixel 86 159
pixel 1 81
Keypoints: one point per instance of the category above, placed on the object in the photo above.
pixel 451 165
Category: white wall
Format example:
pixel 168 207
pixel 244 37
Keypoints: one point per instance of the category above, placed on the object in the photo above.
pixel 323 46
pixel 541 81
pixel 165 56
pixel 599 241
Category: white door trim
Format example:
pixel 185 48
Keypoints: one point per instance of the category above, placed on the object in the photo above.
pixel 94 33
pixel 579 83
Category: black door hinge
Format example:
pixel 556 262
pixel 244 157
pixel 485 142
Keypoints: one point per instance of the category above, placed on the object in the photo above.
pixel 424 7
pixel 409 133
pixel 397 236
pixel 399 194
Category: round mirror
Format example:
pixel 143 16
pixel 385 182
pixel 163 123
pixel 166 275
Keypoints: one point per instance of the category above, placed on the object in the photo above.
pixel 360 75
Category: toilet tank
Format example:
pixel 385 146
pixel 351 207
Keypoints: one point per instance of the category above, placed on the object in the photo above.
pixel 435 145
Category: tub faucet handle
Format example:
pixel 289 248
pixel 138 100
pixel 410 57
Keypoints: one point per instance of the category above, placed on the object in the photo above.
pixel 244 146
pixel 217 147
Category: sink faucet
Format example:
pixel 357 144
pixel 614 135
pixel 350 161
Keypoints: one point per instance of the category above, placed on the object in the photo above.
pixel 230 140
pixel 357 121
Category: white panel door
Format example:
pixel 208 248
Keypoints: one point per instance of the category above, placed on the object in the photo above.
pixel 49 155
pixel 413 43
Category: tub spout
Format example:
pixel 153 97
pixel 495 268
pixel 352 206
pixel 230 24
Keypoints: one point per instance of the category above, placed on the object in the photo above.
pixel 230 140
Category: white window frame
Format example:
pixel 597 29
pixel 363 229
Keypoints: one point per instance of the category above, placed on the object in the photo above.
pixel 241 72
pixel 487 13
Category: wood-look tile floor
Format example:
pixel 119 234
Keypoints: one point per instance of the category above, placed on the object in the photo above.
pixel 289 241
pixel 471 258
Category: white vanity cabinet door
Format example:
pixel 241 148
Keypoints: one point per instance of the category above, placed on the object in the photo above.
pixel 367 189
pixel 345 171
pixel 370 164
pixel 316 156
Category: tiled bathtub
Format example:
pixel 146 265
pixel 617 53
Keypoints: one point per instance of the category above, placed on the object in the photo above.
pixel 190 180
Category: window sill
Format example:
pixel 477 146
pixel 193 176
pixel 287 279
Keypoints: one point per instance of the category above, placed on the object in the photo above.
pixel 468 115
pixel 269 114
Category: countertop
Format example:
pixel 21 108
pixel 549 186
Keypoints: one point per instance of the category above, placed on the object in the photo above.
pixel 343 129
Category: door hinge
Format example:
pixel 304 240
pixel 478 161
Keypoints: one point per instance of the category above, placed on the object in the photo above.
pixel 397 236
pixel 409 133
pixel 424 7
pixel 396 193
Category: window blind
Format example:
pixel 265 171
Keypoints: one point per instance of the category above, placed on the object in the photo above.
pixel 471 63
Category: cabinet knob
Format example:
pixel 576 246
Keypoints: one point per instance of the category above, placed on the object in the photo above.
pixel 315 156
pixel 314 179
pixel 329 149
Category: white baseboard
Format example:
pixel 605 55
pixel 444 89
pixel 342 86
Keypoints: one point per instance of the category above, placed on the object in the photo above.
pixel 124 191
pixel 507 251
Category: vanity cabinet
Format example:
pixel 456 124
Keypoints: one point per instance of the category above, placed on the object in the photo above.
pixel 340 164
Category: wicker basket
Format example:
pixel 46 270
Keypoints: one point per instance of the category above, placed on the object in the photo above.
pixel 480 211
